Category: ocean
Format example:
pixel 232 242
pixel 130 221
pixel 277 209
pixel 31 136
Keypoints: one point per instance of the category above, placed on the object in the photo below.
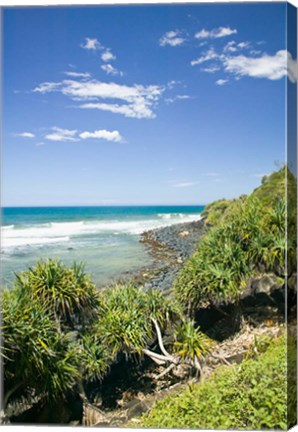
pixel 106 239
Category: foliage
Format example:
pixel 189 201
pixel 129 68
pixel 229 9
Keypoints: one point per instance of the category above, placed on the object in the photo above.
pixel 67 293
pixel 36 355
pixel 125 319
pixel 247 396
pixel 217 211
pixel 190 342
pixel 292 380
pixel 249 238
pixel 59 331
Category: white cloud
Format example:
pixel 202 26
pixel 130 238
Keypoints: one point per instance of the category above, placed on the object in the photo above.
pixel 103 134
pixel 66 135
pixel 107 56
pixel 138 101
pixel 209 55
pixel 178 97
pixel 243 45
pixel 210 69
pixel 272 67
pixel 39 144
pixel 62 135
pixel 221 82
pixel 25 135
pixel 230 47
pixel 215 33
pixel 91 44
pixel 183 97
pixel 233 47
pixel 78 74
pixel 185 184
pixel 171 38
pixel 47 87
pixel 133 111
pixel 111 70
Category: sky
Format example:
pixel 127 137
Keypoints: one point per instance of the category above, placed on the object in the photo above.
pixel 148 104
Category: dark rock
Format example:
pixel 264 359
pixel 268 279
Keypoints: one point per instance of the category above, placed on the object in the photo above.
pixel 262 285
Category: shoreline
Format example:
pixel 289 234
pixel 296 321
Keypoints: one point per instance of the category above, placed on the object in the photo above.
pixel 169 247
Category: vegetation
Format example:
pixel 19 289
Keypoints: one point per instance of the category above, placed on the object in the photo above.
pixel 59 332
pixel 247 396
pixel 248 239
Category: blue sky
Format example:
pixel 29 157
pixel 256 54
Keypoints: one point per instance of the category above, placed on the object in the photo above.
pixel 175 104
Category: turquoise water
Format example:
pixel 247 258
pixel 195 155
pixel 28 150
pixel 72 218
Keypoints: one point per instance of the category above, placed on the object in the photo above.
pixel 105 238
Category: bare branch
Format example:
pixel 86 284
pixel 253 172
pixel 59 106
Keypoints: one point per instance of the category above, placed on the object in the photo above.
pixel 220 357
pixel 166 371
pixel 160 341
pixel 158 358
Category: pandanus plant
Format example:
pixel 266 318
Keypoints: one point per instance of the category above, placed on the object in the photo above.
pixel 132 321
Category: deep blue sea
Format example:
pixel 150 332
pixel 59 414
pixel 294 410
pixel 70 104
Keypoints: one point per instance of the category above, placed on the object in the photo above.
pixel 106 239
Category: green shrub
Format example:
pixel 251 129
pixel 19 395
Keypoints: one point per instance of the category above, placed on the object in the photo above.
pixel 125 323
pixel 251 395
pixel 38 358
pixel 249 240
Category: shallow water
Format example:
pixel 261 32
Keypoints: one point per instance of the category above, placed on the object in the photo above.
pixel 106 239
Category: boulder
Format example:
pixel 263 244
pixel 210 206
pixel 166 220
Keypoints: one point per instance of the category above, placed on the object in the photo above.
pixel 265 290
pixel 184 234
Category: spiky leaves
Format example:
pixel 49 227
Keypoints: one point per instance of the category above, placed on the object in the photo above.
pixel 190 342
pixel 125 322
pixel 67 293
pixel 249 240
pixel 37 357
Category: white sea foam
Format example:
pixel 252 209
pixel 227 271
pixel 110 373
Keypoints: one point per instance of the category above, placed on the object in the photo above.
pixel 13 242
pixel 58 232
pixel 7 227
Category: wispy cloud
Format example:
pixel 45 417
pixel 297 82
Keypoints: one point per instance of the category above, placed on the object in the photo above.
pixel 221 82
pixel 67 135
pixel 137 101
pixel 233 46
pixel 108 56
pixel 215 33
pixel 209 55
pixel 178 97
pixel 133 111
pixel 91 44
pixel 172 38
pixel 78 74
pixel 111 70
pixel 210 69
pixel 102 134
pixel 273 67
pixel 62 135
pixel 185 184
pixel 25 135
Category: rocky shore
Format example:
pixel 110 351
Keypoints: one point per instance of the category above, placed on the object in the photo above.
pixel 169 246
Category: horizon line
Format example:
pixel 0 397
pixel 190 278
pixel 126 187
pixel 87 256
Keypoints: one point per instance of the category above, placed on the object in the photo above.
pixel 102 205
